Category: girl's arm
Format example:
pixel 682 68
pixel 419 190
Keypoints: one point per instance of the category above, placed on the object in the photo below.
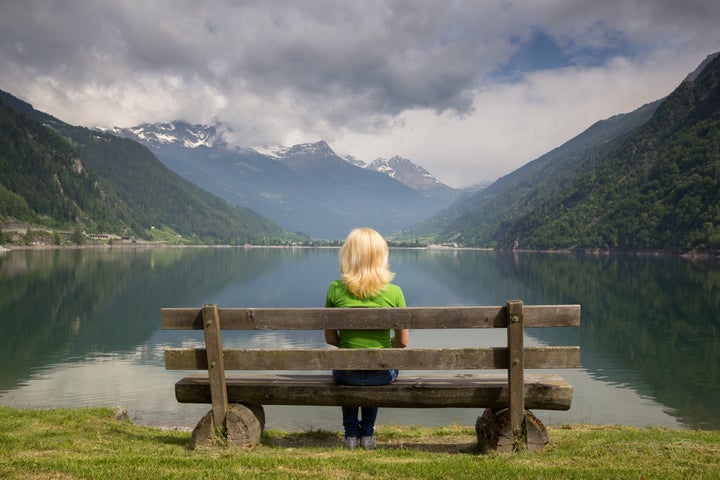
pixel 332 337
pixel 401 338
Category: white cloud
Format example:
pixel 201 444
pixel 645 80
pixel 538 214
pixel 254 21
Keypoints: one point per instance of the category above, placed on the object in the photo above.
pixel 515 123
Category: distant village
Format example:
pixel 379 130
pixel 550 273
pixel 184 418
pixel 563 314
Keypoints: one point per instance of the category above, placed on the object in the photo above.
pixel 31 235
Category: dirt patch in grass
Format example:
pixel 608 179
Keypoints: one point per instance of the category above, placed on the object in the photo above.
pixel 453 440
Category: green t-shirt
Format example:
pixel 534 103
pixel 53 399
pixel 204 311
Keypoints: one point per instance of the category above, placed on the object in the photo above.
pixel 339 297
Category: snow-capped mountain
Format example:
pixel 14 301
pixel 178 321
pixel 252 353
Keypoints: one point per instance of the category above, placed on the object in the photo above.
pixel 315 159
pixel 175 133
pixel 279 152
pixel 187 135
pixel 405 171
pixel 355 161
pixel 306 187
pixel 320 148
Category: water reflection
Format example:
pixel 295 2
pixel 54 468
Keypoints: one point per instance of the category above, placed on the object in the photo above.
pixel 82 327
pixel 650 324
pixel 66 305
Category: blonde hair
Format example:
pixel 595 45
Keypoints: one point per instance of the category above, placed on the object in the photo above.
pixel 364 263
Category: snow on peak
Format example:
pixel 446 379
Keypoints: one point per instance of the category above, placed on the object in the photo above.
pixel 175 133
pixel 354 161
pixel 405 171
pixel 301 149
pixel 317 148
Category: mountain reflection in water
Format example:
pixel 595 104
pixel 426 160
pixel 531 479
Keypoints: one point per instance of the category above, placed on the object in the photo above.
pixel 81 327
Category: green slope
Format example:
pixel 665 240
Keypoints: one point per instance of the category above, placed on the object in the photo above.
pixel 481 219
pixel 42 176
pixel 660 190
pixel 59 175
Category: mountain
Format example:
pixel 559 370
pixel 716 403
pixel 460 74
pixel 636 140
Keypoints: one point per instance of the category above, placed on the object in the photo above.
pixel 643 180
pixel 312 158
pixel 480 219
pixel 405 171
pixel 398 168
pixel 414 176
pixel 43 178
pixel 659 190
pixel 177 133
pixel 60 175
pixel 355 161
pixel 306 187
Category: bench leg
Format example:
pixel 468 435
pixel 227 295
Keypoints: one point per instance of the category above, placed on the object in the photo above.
pixel 244 425
pixel 259 412
pixel 494 432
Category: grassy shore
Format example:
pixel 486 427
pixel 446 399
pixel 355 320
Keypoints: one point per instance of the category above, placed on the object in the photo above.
pixel 92 444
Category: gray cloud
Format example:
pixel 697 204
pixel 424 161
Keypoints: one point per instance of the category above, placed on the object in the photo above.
pixel 376 72
pixel 390 56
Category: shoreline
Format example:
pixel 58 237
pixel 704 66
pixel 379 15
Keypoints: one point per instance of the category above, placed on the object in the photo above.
pixel 690 255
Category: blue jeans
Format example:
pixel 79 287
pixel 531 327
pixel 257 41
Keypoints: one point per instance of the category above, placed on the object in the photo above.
pixel 362 426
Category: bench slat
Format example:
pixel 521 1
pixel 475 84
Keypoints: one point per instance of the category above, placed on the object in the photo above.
pixel 370 359
pixel 542 391
pixel 365 318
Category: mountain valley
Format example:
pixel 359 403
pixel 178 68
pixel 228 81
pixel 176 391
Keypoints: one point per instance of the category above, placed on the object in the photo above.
pixel 647 180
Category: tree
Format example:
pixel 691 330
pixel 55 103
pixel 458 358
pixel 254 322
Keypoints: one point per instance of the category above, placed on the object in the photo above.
pixel 78 237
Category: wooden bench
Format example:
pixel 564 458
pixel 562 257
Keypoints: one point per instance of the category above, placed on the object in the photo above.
pixel 237 415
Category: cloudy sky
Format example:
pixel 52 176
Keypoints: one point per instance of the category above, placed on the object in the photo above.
pixel 470 90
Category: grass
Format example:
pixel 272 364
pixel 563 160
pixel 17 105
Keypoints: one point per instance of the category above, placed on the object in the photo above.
pixel 92 444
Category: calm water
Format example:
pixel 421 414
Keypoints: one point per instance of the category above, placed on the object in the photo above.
pixel 81 327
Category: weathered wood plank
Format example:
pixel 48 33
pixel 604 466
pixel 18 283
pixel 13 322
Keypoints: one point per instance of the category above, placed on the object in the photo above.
pixel 552 357
pixel 486 358
pixel 216 367
pixel 362 318
pixel 516 365
pixel 542 391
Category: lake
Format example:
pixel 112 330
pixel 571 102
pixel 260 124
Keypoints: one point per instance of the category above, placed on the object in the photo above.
pixel 81 327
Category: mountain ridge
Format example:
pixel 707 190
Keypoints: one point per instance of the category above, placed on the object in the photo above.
pixel 196 135
pixel 307 187
pixel 178 132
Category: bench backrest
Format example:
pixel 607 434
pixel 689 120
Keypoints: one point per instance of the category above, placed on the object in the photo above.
pixel 364 318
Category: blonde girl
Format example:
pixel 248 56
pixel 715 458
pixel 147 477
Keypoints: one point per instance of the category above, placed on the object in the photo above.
pixel 365 283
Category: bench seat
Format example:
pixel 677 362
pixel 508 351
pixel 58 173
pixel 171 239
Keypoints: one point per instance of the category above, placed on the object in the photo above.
pixel 541 391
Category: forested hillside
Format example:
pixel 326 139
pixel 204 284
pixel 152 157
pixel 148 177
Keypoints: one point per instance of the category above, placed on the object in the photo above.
pixel 43 180
pixel 660 190
pixel 647 180
pixel 58 175
pixel 480 219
